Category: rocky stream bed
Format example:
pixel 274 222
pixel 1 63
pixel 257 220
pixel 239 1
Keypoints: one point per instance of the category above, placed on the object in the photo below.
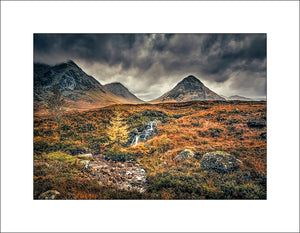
pixel 123 175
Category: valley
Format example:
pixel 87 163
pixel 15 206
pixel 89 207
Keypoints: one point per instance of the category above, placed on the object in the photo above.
pixel 94 141
pixel 155 151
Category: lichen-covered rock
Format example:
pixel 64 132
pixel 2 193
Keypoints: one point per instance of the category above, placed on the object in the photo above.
pixel 184 155
pixel 49 195
pixel 219 161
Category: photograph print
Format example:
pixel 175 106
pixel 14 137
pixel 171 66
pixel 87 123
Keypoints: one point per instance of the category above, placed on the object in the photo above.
pixel 150 116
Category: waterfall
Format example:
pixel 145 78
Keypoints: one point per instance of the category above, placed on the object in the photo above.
pixel 136 140
pixel 147 133
pixel 151 125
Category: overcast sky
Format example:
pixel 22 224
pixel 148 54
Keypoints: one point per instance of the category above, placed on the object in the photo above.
pixel 151 64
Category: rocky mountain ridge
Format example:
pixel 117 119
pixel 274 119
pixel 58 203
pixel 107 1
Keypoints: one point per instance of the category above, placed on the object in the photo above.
pixel 79 89
pixel 83 91
pixel 121 91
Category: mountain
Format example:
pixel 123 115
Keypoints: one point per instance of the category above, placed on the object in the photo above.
pixel 119 90
pixel 238 97
pixel 223 96
pixel 80 90
pixel 260 99
pixel 190 88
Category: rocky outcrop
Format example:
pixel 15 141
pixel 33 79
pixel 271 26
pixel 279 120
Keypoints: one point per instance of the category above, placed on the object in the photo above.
pixel 49 195
pixel 220 162
pixel 184 155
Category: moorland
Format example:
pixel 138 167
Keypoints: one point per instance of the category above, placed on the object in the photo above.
pixel 97 154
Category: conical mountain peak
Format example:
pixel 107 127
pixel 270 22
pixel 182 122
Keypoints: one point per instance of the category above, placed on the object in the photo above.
pixel 191 79
pixel 189 89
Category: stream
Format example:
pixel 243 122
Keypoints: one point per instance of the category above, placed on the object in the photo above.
pixel 147 133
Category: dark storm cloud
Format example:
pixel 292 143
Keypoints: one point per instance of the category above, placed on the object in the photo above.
pixel 90 47
pixel 161 60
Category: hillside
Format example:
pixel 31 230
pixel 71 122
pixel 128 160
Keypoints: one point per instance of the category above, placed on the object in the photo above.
pixel 118 89
pixel 81 91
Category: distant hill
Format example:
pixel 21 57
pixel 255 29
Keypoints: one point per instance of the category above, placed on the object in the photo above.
pixel 190 88
pixel 238 97
pixel 260 99
pixel 121 91
pixel 80 90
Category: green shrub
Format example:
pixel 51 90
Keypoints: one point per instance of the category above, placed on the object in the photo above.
pixel 60 157
pixel 119 156
pixel 40 147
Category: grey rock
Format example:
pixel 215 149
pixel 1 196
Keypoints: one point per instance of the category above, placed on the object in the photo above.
pixel 86 163
pixel 184 155
pixel 49 195
pixel 220 162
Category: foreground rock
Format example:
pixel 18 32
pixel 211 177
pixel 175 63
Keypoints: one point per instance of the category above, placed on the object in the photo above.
pixel 220 162
pixel 49 195
pixel 184 155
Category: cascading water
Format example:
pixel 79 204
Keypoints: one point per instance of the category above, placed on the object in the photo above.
pixel 136 140
pixel 148 132
pixel 151 125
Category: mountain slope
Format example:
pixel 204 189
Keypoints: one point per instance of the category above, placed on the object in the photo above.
pixel 121 91
pixel 80 90
pixel 190 88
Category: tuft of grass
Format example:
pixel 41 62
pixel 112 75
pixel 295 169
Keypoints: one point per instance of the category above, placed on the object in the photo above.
pixel 59 157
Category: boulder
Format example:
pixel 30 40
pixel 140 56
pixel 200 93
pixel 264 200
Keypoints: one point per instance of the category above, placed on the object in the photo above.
pixel 220 162
pixel 184 155
pixel 49 195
